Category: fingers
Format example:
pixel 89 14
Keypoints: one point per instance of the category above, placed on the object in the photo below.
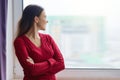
pixel 30 60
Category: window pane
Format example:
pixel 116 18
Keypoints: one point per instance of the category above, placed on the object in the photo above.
pixel 86 31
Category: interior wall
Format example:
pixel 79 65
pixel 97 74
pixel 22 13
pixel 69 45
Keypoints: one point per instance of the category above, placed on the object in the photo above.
pixel 14 9
pixel 9 49
pixel 89 73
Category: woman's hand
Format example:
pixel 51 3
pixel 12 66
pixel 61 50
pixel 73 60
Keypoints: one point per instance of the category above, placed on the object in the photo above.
pixel 30 60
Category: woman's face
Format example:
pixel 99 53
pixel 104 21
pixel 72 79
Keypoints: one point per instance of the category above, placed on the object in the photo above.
pixel 42 21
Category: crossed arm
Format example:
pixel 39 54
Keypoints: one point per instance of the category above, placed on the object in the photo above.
pixel 52 65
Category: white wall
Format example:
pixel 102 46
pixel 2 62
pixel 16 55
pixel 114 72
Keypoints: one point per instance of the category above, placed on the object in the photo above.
pixel 9 49
pixel 14 9
pixel 76 74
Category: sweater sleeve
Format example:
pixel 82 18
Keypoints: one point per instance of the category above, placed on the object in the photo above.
pixel 32 69
pixel 59 65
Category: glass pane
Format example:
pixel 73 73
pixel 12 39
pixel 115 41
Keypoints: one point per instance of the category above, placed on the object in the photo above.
pixel 86 31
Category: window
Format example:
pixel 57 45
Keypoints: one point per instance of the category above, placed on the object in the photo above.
pixel 87 31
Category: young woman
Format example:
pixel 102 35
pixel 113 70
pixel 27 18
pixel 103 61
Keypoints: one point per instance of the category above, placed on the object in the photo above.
pixel 37 53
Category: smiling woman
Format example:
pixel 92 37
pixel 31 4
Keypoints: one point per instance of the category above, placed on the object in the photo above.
pixel 37 53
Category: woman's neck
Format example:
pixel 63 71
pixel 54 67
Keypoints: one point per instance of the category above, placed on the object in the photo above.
pixel 33 33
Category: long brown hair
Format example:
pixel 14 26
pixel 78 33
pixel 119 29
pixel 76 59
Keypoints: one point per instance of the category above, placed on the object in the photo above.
pixel 27 19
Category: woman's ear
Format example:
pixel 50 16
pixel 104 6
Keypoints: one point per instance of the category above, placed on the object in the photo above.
pixel 36 19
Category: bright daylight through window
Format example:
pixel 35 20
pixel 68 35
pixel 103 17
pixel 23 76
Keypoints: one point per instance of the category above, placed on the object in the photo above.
pixel 87 31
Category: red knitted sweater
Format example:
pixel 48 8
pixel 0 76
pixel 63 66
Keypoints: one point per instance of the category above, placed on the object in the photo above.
pixel 47 58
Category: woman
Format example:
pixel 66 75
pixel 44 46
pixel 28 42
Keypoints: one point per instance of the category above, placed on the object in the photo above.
pixel 37 53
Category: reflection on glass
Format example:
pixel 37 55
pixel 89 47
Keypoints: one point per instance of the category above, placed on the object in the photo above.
pixel 81 39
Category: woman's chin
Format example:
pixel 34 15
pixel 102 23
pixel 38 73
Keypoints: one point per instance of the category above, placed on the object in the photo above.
pixel 42 29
